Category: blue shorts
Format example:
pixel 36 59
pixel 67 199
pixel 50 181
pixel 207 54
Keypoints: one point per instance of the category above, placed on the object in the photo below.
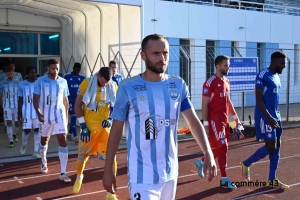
pixel 71 107
pixel 265 131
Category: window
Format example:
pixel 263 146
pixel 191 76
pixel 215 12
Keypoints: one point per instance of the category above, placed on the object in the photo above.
pixel 50 44
pixel 18 43
pixel 210 58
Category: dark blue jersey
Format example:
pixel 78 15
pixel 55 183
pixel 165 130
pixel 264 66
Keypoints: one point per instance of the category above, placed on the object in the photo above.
pixel 271 85
pixel 73 84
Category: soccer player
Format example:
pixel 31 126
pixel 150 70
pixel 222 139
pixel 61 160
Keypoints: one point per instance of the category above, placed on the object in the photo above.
pixel 51 105
pixel 267 118
pixel 74 79
pixel 93 116
pixel 26 112
pixel 116 77
pixel 17 76
pixel 216 105
pixel 150 104
pixel 9 97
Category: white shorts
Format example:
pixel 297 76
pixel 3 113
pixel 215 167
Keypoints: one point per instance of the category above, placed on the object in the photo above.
pixel 11 114
pixel 30 123
pixel 46 130
pixel 160 191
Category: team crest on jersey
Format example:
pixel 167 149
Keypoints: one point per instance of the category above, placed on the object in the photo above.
pixel 79 90
pixel 140 87
pixel 205 91
pixel 174 94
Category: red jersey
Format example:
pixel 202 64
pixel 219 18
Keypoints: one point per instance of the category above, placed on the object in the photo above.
pixel 218 90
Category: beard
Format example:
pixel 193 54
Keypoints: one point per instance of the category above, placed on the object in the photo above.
pixel 152 67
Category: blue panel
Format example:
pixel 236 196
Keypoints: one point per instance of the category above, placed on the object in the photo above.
pixel 223 47
pixel 251 51
pixel 174 57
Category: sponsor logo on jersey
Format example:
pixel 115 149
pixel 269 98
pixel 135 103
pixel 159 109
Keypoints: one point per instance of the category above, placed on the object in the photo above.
pixel 79 90
pixel 171 85
pixel 140 87
pixel 219 85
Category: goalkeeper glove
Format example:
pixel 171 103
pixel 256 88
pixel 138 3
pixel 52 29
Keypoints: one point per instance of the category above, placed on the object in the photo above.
pixel 107 123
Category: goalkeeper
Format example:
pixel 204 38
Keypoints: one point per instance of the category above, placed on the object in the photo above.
pixel 216 105
pixel 95 97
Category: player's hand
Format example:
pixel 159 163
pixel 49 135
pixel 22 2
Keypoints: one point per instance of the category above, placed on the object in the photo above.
pixel 273 122
pixel 85 134
pixel 107 123
pixel 210 167
pixel 109 182
pixel 237 133
pixel 41 117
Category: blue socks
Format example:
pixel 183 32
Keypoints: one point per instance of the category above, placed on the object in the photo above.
pixel 259 154
pixel 274 161
pixel 73 125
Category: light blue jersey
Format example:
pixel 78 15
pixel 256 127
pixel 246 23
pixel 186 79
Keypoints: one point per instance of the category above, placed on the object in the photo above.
pixel 271 85
pixel 151 111
pixel 17 77
pixel 52 93
pixel 9 90
pixel 25 90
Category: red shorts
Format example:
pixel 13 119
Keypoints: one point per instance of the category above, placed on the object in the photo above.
pixel 218 133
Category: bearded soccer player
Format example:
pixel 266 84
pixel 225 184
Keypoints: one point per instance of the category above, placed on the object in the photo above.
pixel 267 118
pixel 51 105
pixel 216 105
pixel 95 97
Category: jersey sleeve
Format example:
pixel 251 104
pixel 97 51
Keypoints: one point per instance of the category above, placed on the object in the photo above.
pixel 20 90
pixel 83 87
pixel 185 100
pixel 66 90
pixel 260 81
pixel 20 78
pixel 37 87
pixel 207 88
pixel 121 106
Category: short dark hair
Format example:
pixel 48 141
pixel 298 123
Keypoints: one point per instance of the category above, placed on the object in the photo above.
pixel 11 63
pixel 29 69
pixel 151 37
pixel 112 62
pixel 106 73
pixel 8 68
pixel 53 61
pixel 77 65
pixel 278 54
pixel 220 59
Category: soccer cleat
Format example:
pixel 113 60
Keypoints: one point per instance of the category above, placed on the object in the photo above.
pixel 245 171
pixel 277 184
pixel 70 137
pixel 226 183
pixel 199 164
pixel 44 168
pixel 63 177
pixel 11 144
pixel 15 138
pixel 76 139
pixel 111 197
pixel 23 148
pixel 36 154
pixel 77 186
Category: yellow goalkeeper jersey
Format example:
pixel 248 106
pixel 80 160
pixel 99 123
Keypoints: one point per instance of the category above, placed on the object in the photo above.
pixel 94 118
